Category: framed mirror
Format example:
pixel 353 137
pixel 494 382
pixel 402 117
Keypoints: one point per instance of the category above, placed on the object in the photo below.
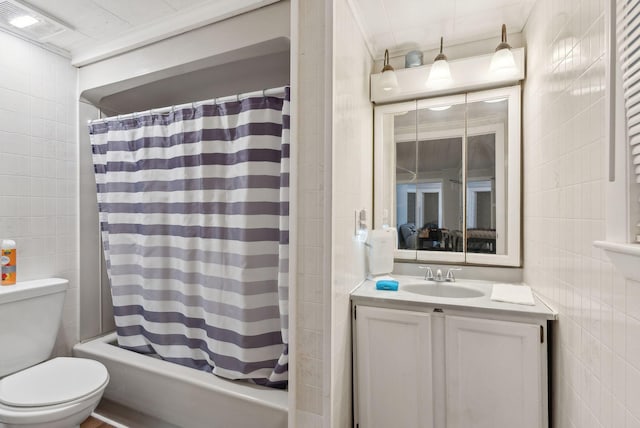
pixel 447 177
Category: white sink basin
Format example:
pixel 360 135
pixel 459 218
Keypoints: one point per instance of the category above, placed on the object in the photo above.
pixel 444 289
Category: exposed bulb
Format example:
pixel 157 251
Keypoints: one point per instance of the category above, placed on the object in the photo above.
pixel 388 79
pixel 440 73
pixel 502 61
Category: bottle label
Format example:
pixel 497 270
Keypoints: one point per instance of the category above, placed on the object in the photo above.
pixel 8 269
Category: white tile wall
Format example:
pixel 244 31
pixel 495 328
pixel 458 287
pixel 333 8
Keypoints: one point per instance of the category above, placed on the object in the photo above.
pixel 596 358
pixel 38 168
pixel 313 219
pixel 335 137
pixel 352 163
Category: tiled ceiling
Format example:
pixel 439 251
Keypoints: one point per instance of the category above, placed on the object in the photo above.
pixel 103 22
pixel 403 25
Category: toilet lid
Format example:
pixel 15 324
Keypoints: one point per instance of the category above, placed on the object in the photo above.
pixel 56 381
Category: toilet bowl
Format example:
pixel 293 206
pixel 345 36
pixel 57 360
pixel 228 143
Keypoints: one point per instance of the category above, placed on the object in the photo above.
pixel 58 393
pixel 36 392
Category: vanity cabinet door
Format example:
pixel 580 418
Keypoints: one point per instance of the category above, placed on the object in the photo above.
pixel 493 374
pixel 393 368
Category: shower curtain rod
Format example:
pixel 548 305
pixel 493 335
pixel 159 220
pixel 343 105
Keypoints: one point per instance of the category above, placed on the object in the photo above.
pixel 265 92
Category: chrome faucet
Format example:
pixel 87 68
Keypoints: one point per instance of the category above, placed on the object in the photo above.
pixel 439 277
pixel 450 277
pixel 428 275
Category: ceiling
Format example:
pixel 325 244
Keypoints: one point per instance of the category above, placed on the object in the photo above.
pixel 404 25
pixel 434 153
pixel 99 21
pixel 101 28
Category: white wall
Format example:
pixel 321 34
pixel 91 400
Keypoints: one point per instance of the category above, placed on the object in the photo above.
pixel 334 144
pixel 311 62
pixel 352 172
pixel 38 168
pixel 596 359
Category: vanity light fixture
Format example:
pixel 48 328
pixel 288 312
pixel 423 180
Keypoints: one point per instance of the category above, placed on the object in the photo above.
pixel 440 74
pixel 502 61
pixel 389 80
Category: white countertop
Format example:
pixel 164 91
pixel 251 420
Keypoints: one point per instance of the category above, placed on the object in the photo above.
pixel 366 292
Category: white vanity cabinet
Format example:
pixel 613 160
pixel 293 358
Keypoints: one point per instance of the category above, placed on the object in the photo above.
pixel 394 368
pixel 443 366
pixel 494 374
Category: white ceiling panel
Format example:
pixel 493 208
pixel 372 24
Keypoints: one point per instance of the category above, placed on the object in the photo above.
pixel 86 17
pixel 70 39
pixel 100 23
pixel 373 16
pixel 183 4
pixel 470 7
pixel 137 12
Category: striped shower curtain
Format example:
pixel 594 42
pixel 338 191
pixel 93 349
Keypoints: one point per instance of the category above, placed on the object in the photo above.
pixel 194 207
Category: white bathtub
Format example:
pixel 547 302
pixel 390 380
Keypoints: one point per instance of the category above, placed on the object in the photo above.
pixel 182 396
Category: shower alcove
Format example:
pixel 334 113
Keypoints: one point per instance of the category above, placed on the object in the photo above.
pixel 236 55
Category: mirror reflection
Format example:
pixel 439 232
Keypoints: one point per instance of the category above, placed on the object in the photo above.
pixel 487 124
pixel 429 193
pixel 447 176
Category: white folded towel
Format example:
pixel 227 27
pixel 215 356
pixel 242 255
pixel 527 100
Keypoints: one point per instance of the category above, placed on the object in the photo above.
pixel 510 293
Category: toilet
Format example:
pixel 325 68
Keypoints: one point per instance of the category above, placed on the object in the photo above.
pixel 35 391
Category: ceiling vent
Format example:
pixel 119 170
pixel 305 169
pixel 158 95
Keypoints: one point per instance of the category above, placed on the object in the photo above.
pixel 14 17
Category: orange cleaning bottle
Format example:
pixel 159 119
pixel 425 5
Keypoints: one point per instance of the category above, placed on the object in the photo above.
pixel 8 262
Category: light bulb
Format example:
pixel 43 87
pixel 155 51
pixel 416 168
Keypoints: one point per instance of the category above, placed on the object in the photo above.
pixel 388 79
pixel 503 62
pixel 440 73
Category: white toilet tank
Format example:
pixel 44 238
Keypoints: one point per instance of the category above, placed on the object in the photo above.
pixel 30 314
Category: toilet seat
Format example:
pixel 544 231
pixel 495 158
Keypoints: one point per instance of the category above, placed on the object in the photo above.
pixel 54 382
pixel 50 416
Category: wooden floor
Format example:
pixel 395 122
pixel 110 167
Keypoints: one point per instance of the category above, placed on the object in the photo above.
pixel 120 416
pixel 92 422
